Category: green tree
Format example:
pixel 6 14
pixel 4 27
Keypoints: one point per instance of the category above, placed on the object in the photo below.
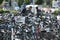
pixel 49 2
pixel 10 2
pixel 27 1
pixel 20 2
pixel 39 2
pixel 6 0
pixel 1 1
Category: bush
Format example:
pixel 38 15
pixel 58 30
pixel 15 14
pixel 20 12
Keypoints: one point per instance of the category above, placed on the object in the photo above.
pixel 1 11
pixel 4 11
pixel 56 12
pixel 13 11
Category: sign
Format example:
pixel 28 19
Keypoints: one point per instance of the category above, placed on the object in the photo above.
pixel 58 17
pixel 16 8
pixel 20 19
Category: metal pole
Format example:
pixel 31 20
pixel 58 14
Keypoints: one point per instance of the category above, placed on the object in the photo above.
pixel 33 7
pixel 12 34
pixel 33 2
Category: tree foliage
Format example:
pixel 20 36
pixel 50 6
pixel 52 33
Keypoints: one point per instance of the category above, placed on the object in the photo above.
pixel 10 2
pixel 49 2
pixel 39 2
pixel 1 1
pixel 27 1
pixel 6 0
pixel 20 2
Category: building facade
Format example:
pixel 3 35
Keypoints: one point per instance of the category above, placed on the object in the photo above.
pixel 56 3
